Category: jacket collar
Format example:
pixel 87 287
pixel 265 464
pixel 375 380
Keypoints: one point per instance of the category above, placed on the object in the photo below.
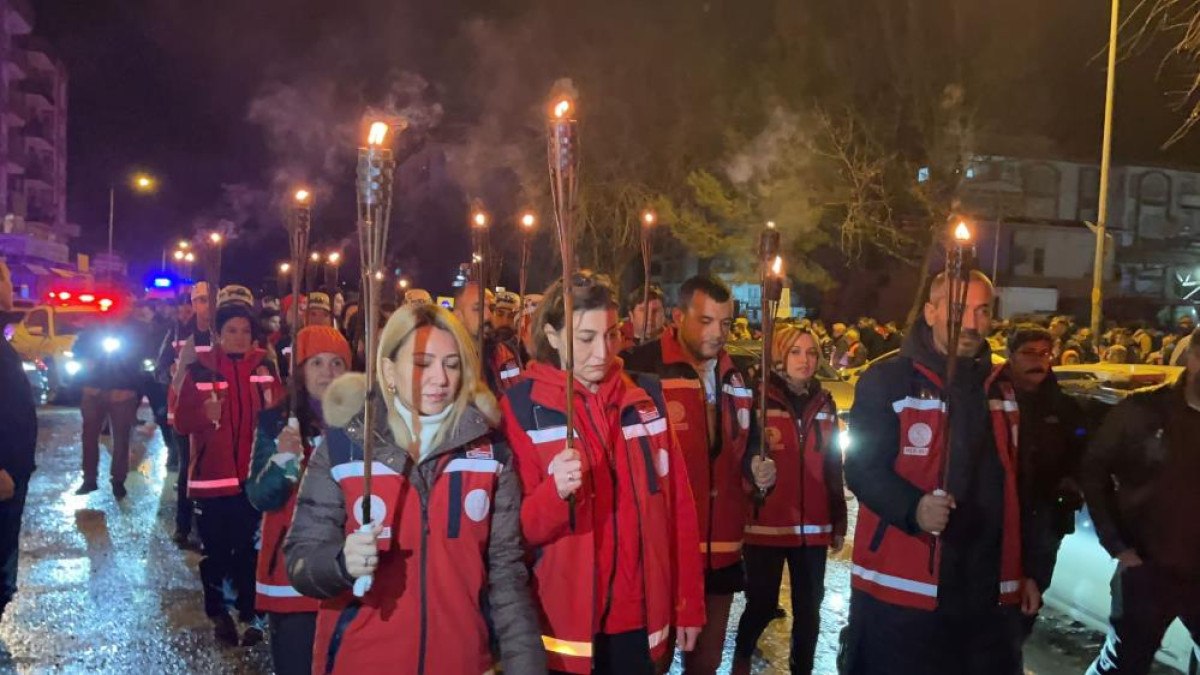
pixel 549 389
pixel 673 352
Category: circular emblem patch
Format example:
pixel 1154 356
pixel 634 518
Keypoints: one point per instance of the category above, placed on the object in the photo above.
pixel 662 463
pixel 378 510
pixel 476 504
pixel 676 412
pixel 920 435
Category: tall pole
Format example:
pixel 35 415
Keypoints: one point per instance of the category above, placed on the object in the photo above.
pixel 528 220
pixel 563 154
pixel 1105 166
pixel 479 225
pixel 771 287
pixel 648 219
pixel 112 200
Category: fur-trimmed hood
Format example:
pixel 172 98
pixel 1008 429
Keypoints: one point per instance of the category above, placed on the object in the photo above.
pixel 347 395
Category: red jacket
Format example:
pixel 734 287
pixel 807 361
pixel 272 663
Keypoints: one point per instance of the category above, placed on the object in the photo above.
pixel 630 457
pixel 715 469
pixel 806 506
pixel 891 564
pixel 270 491
pixel 503 367
pixel 220 454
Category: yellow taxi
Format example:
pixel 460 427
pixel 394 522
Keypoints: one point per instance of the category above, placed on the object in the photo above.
pixel 47 333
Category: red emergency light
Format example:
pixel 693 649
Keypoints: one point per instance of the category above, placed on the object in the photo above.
pixel 65 299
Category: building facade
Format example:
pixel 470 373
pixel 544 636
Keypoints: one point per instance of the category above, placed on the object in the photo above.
pixel 35 235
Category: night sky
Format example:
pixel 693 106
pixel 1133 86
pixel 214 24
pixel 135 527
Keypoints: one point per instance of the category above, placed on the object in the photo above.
pixel 168 86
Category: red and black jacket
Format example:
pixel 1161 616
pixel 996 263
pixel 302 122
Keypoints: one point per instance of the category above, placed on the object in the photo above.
pixel 573 599
pixel 902 434
pixel 220 455
pixel 806 507
pixel 715 467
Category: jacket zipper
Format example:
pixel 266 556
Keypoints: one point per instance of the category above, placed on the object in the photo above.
pixel 612 474
pixel 423 496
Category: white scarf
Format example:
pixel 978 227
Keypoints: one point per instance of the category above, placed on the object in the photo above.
pixel 425 428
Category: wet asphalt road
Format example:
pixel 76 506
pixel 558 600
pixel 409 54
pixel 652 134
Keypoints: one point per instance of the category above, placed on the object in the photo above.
pixel 103 589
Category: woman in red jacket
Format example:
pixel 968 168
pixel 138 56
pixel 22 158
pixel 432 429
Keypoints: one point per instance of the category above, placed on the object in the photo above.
pixel 610 523
pixel 220 397
pixel 281 452
pixel 805 515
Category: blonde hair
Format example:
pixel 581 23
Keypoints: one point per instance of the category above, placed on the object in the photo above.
pixel 472 389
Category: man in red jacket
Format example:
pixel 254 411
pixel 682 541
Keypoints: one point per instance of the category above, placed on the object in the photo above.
pixel 709 406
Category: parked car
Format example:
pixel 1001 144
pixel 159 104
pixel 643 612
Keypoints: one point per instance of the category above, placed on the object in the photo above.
pixel 39 380
pixel 1082 577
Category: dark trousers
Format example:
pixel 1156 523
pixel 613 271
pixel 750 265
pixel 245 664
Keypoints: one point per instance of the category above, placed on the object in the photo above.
pixel 292 641
pixel 10 542
pixel 621 654
pixel 183 506
pixel 119 407
pixel 156 394
pixel 806 574
pixel 885 638
pixel 228 526
pixel 1145 600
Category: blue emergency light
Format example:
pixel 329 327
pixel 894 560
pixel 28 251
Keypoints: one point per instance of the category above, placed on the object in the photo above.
pixel 163 282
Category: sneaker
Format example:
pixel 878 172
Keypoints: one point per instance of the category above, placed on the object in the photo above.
pixel 225 630
pixel 88 487
pixel 255 633
pixel 119 491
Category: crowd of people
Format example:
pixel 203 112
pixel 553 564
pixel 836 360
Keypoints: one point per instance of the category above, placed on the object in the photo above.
pixel 489 525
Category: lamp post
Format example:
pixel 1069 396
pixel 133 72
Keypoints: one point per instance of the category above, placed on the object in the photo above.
pixel 1105 167
pixel 479 232
pixel 140 183
pixel 285 269
pixel 332 269
pixel 528 223
pixel 213 272
pixel 649 218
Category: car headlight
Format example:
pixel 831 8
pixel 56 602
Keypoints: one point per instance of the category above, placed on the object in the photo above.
pixel 28 367
pixel 148 365
pixel 844 440
pixel 72 368
pixel 111 344
pixel 69 355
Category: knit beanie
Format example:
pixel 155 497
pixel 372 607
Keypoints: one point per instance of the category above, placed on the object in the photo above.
pixel 319 339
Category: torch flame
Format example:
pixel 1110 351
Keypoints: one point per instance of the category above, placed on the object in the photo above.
pixel 284 268
pixel 379 276
pixel 562 108
pixel 777 266
pixel 315 257
pixel 334 258
pixel 480 219
pixel 377 134
pixel 215 237
pixel 770 224
pixel 302 195
pixel 649 217
pixel 962 233
pixel 528 220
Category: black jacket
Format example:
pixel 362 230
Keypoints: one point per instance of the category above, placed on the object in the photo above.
pixel 1140 475
pixel 120 369
pixel 18 417
pixel 969 578
pixel 1051 445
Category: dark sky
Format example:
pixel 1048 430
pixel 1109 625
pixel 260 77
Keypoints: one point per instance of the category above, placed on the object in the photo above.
pixel 166 85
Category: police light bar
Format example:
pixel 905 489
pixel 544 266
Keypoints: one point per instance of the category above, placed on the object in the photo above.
pixel 163 282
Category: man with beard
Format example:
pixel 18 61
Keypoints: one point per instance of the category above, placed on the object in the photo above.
pixel 937 577
pixel 710 410
pixel 1052 440
pixel 1140 476
pixel 499 360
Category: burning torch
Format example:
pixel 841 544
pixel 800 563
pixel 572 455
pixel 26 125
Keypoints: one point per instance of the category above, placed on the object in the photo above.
pixel 376 167
pixel 959 257
pixel 479 233
pixel 649 218
pixel 299 222
pixel 528 221
pixel 771 281
pixel 562 150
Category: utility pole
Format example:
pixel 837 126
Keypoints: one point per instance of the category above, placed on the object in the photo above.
pixel 1105 166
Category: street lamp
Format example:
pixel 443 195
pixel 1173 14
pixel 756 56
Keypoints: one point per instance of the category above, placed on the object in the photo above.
pixel 140 183
pixel 334 260
pixel 479 229
pixel 649 218
pixel 528 222
pixel 215 240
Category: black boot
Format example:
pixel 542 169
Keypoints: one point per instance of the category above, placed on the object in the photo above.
pixel 88 487
pixel 225 630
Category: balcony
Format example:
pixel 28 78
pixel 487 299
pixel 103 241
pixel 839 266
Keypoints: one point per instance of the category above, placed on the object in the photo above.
pixel 38 90
pixel 39 135
pixel 38 173
pixel 16 65
pixel 15 157
pixel 18 18
pixel 15 111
